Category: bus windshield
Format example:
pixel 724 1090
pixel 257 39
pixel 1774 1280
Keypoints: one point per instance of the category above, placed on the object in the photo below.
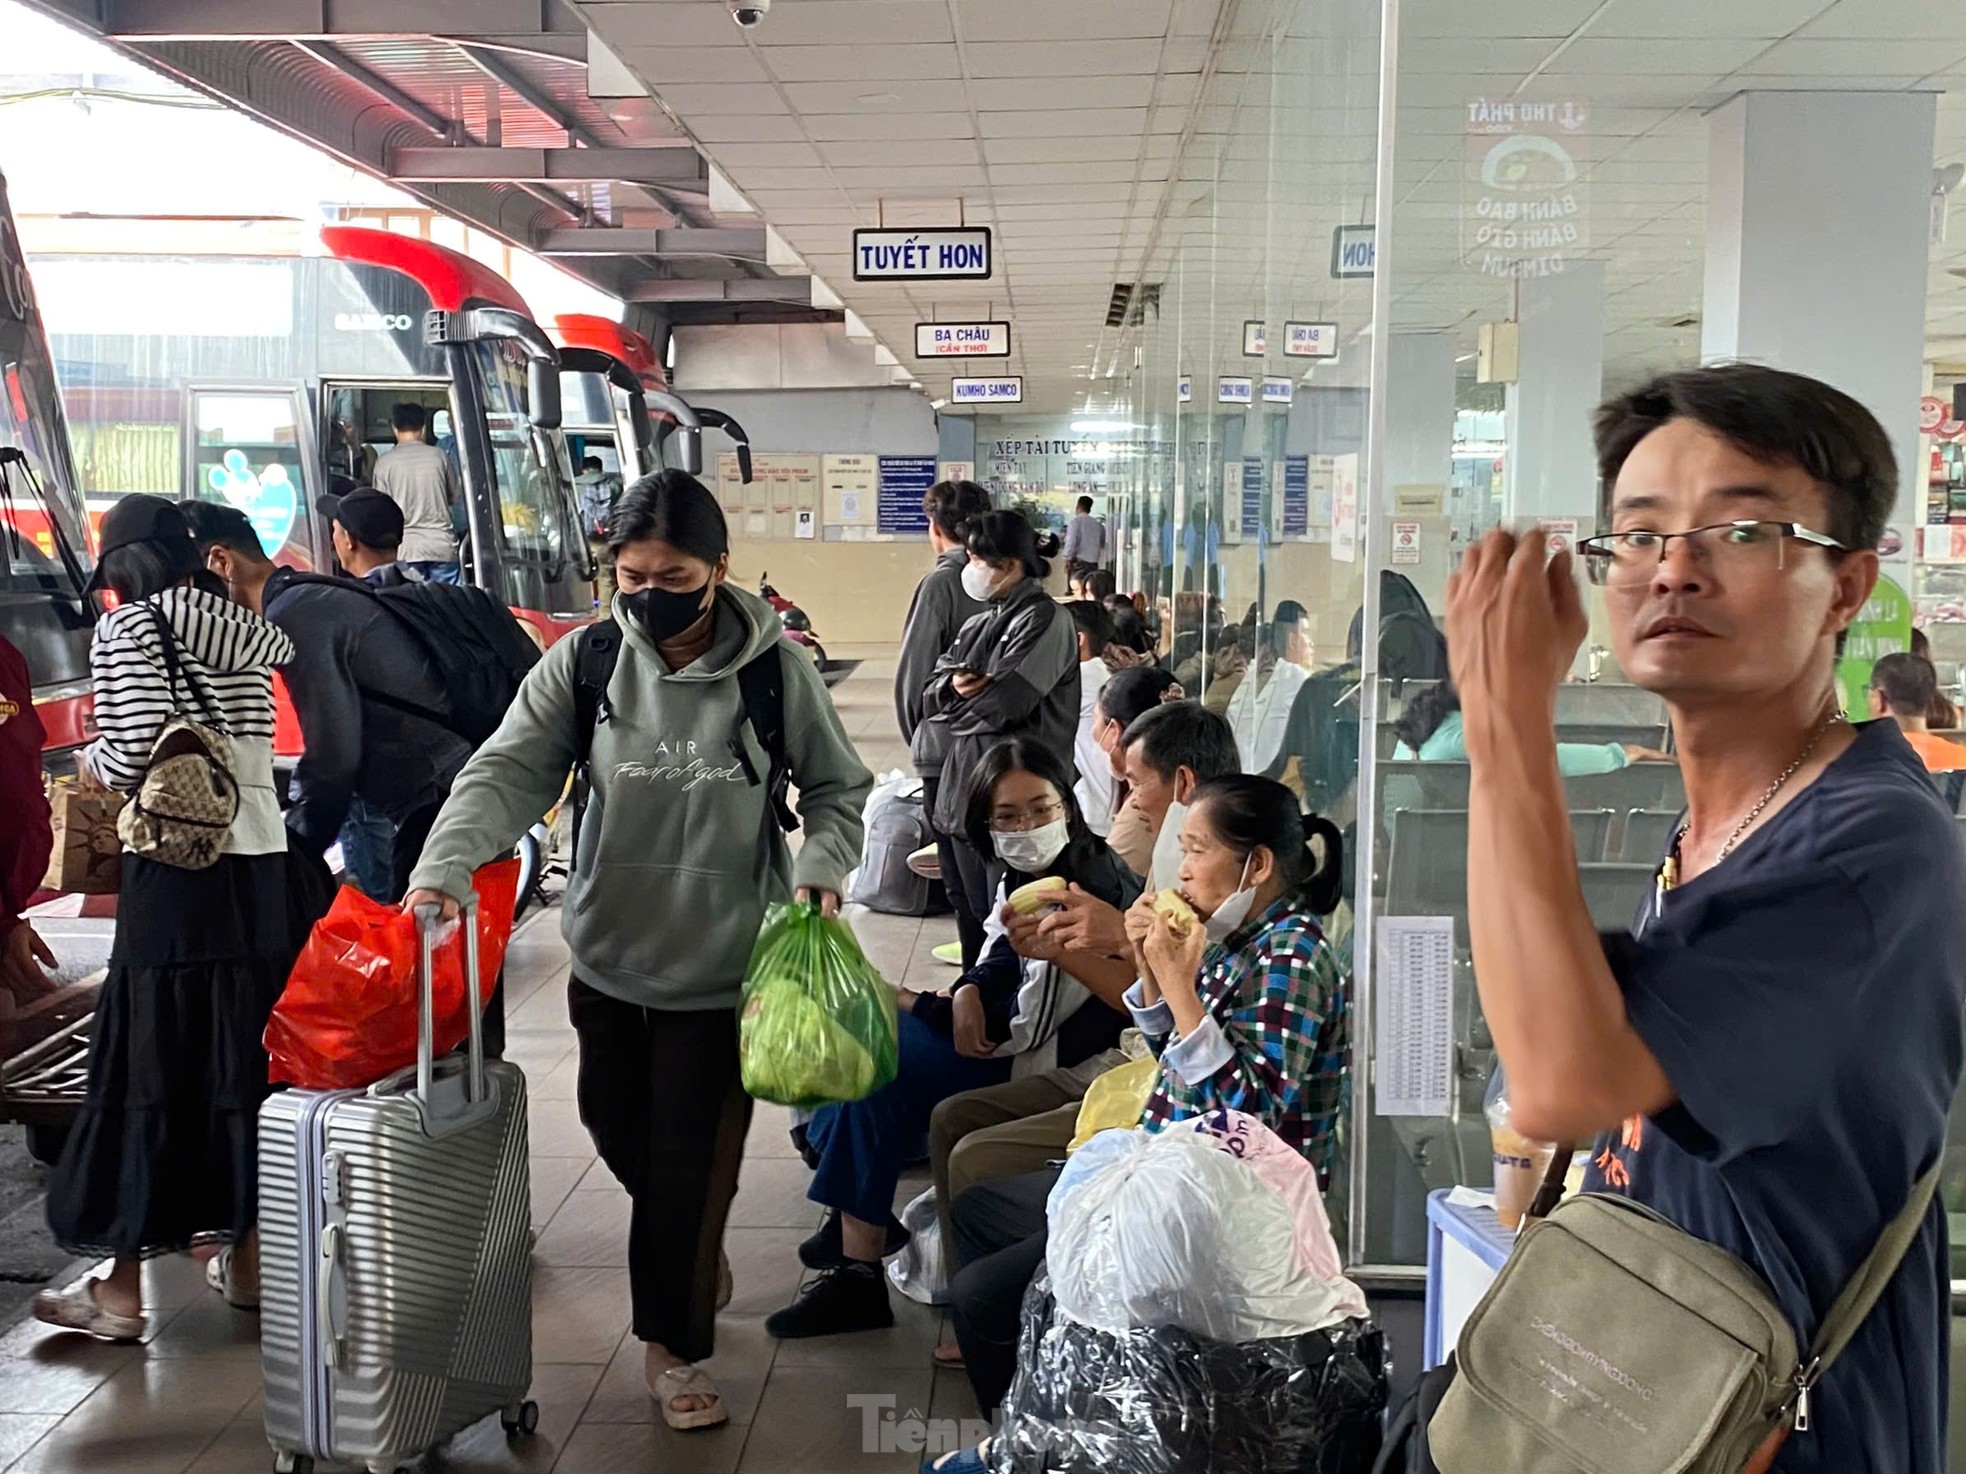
pixel 532 493
pixel 45 544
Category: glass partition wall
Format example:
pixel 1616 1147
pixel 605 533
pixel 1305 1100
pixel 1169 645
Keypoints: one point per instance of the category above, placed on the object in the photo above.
pixel 1407 247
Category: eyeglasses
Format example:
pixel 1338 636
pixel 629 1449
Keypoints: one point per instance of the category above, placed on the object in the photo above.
pixel 1019 821
pixel 1747 547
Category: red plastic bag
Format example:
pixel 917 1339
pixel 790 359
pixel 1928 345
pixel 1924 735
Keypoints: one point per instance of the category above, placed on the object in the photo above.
pixel 348 1015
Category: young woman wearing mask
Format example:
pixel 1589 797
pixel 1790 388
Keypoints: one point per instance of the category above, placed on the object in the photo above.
pixel 1013 671
pixel 679 852
pixel 1007 1008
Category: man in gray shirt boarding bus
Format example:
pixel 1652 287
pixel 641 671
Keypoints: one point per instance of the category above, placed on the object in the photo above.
pixel 421 480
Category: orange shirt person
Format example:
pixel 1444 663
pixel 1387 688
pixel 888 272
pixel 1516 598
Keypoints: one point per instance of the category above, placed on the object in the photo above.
pixel 1902 687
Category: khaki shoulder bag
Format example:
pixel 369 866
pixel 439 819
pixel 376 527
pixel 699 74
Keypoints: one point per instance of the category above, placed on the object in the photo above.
pixel 1614 1342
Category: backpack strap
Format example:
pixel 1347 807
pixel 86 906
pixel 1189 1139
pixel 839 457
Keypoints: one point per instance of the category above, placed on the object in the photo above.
pixel 761 687
pixel 1855 1301
pixel 593 668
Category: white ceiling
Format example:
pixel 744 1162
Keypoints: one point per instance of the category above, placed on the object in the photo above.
pixel 1214 144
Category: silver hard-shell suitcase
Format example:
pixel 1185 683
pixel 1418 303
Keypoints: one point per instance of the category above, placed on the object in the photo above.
pixel 395 1252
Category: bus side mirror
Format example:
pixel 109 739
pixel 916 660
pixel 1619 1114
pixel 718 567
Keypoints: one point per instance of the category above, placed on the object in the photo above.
pixel 689 443
pixel 543 393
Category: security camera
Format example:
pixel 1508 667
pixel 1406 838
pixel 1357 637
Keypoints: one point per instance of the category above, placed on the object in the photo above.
pixel 748 13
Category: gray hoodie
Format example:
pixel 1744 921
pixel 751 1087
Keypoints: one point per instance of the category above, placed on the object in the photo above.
pixel 678 851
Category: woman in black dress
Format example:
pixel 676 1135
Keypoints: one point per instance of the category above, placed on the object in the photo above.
pixel 163 1157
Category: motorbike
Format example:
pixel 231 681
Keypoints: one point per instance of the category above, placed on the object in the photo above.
pixel 798 626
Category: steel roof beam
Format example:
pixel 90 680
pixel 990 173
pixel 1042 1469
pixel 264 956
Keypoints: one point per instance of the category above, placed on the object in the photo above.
pixel 671 168
pixel 746 245
pixel 732 289
pixel 189 20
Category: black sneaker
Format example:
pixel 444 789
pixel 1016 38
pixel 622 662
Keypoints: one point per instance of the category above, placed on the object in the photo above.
pixel 848 1297
pixel 824 1249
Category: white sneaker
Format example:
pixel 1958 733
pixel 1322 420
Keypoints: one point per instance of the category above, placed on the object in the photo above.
pixel 76 1308
pixel 927 862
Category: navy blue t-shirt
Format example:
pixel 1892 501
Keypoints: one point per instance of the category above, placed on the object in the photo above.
pixel 1804 998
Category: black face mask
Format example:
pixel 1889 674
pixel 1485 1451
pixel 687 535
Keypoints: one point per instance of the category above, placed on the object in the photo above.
pixel 662 613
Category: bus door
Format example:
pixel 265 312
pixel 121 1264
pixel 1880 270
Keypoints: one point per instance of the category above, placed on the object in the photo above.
pixel 358 428
pixel 251 447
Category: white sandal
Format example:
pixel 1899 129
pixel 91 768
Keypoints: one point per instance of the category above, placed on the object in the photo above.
pixel 75 1308
pixel 688 1381
pixel 218 1274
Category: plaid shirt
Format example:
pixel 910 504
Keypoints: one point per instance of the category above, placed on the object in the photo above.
pixel 1275 1041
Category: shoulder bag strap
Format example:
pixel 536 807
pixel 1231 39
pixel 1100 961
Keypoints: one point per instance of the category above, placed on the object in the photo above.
pixel 1549 1192
pixel 174 672
pixel 1857 1297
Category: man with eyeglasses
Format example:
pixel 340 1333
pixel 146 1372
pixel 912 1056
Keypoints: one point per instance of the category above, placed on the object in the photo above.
pixel 1768 1058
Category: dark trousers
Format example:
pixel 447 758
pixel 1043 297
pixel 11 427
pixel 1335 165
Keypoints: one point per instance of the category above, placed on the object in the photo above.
pixel 999 1229
pixel 660 1094
pixel 410 835
pixel 967 876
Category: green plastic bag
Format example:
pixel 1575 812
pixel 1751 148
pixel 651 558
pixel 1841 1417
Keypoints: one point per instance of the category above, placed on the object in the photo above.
pixel 818 1025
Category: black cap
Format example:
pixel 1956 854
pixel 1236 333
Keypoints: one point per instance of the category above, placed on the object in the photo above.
pixel 372 518
pixel 143 518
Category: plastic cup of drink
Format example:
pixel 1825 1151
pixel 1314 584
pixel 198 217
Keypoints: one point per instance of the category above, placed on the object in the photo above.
pixel 1520 1166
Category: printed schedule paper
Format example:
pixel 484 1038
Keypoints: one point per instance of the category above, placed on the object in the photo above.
pixel 1413 1026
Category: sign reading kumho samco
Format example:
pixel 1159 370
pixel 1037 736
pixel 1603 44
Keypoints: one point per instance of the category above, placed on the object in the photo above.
pixel 922 255
pixel 1525 209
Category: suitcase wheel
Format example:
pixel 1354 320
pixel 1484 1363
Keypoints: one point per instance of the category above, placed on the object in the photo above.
pixel 520 1419
pixel 287 1462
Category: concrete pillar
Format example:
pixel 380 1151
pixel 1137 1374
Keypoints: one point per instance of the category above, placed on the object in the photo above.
pixel 1420 410
pixel 1552 468
pixel 1818 212
pixel 1420 452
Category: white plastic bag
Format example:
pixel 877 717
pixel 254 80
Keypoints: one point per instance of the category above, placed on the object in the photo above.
pixel 917 1270
pixel 1183 1228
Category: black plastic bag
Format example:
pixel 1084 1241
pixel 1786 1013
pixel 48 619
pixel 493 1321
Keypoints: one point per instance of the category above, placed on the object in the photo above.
pixel 1165 1401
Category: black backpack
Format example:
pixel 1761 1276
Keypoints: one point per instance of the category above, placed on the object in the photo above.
pixel 761 693
pixel 480 653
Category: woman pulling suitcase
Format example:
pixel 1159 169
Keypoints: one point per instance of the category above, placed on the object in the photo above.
pixel 678 853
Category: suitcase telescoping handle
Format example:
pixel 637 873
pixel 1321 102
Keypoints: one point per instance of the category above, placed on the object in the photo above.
pixel 428 922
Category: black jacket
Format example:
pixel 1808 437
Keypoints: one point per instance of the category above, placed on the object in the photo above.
pixel 350 650
pixel 940 608
pixel 1089 863
pixel 1029 648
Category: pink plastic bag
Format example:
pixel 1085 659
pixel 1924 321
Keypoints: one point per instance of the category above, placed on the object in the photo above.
pixel 348 1015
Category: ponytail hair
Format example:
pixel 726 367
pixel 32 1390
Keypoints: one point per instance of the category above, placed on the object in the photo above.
pixel 1249 813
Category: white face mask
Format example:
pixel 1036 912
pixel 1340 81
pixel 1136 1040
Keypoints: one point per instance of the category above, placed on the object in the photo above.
pixel 1165 871
pixel 1031 851
pixel 1234 911
pixel 979 582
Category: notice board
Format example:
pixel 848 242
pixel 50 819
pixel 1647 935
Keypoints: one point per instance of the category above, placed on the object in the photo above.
pixel 904 481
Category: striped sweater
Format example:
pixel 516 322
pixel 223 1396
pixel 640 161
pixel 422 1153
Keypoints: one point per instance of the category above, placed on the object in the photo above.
pixel 226 656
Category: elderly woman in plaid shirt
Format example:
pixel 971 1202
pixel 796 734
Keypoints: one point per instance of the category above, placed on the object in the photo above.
pixel 1246 1009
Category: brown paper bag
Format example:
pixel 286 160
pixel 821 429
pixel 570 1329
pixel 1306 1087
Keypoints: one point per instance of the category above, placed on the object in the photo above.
pixel 88 855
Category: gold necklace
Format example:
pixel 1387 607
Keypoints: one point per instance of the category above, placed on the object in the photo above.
pixel 1669 871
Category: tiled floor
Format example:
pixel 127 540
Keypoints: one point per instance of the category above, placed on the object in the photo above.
pixel 189 1398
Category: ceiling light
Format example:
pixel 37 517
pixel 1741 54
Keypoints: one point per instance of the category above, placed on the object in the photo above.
pixel 1102 427
pixel 938 404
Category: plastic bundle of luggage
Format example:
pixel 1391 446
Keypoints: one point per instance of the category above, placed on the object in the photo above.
pixel 1166 1401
